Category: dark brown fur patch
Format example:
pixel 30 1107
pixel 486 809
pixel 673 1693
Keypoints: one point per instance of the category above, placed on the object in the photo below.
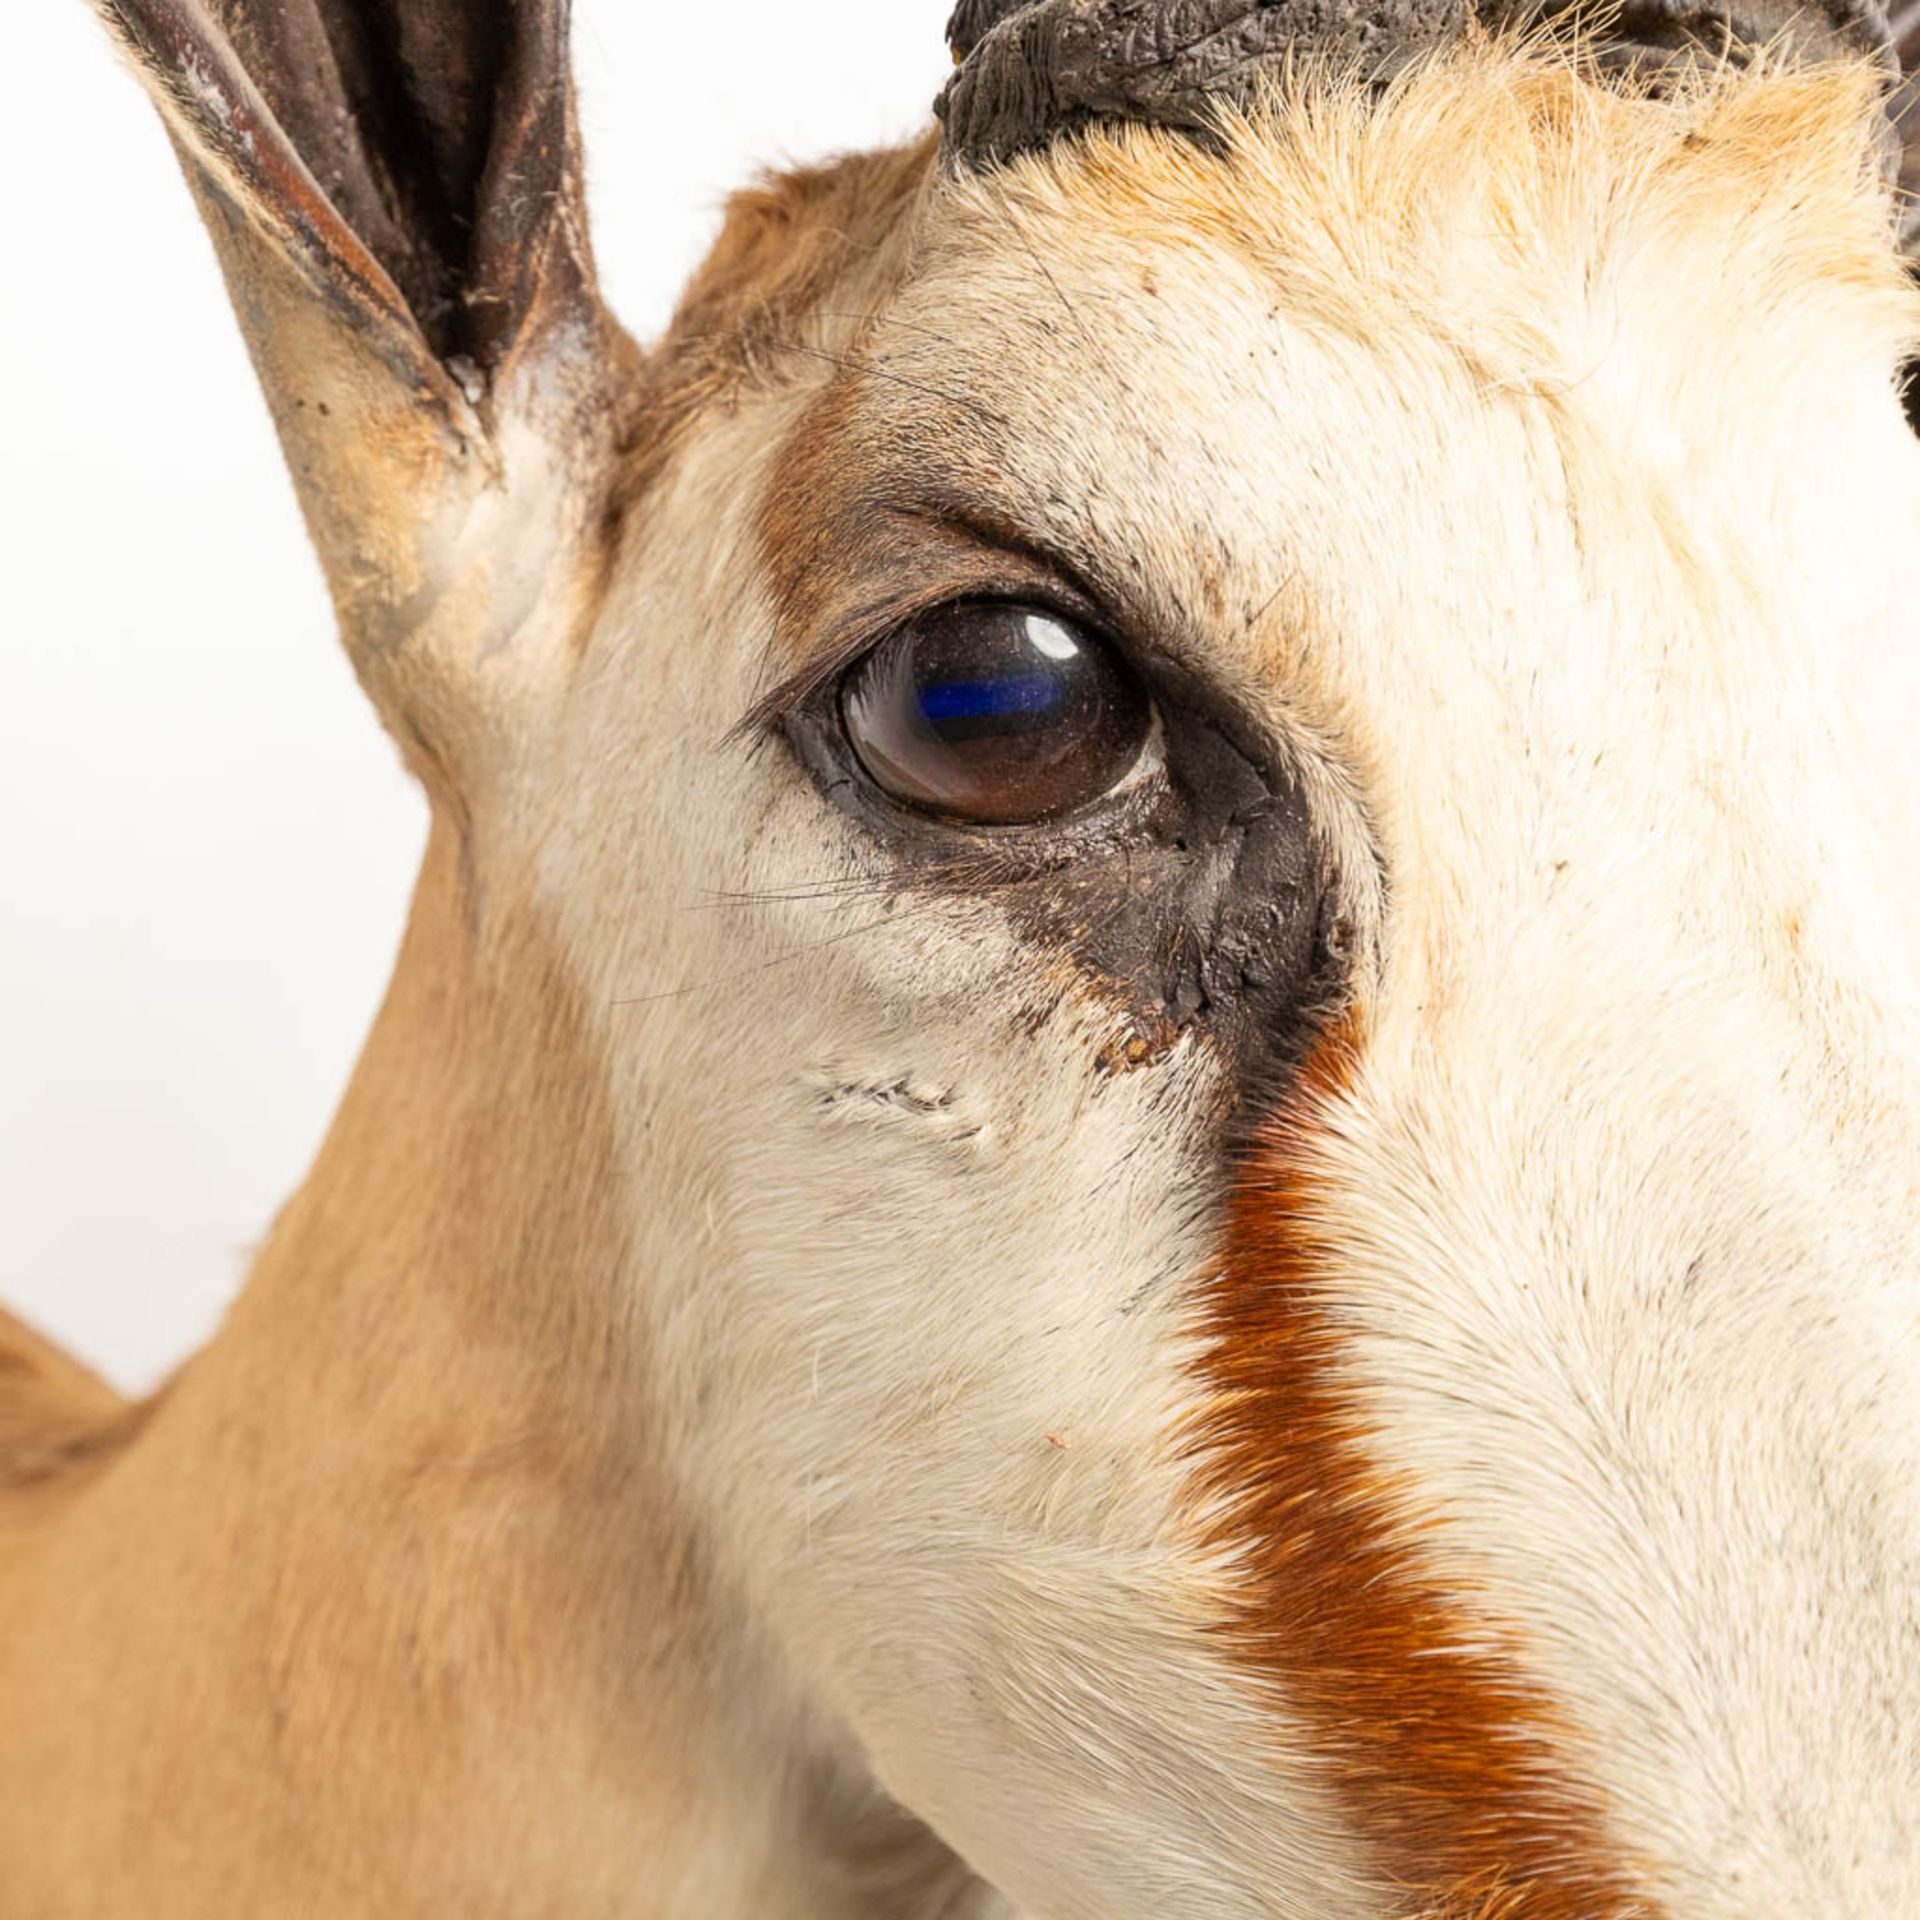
pixel 1444 1753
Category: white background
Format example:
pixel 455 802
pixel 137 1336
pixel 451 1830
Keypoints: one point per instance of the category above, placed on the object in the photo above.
pixel 205 841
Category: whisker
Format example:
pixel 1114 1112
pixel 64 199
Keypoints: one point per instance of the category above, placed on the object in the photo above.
pixel 806 893
pixel 1046 272
pixel 793 954
pixel 873 317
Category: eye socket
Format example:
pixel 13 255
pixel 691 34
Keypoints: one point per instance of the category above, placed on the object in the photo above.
pixel 996 713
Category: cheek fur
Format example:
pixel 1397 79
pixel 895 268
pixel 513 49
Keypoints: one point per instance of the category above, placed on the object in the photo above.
pixel 1447 1757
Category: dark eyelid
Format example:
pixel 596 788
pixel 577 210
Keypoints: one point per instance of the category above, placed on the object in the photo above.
pixel 1013 543
pixel 978 562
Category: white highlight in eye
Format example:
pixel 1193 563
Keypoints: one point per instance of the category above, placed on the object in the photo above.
pixel 1051 638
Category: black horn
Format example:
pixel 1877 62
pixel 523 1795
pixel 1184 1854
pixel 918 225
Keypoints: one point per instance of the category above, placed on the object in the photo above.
pixel 1030 69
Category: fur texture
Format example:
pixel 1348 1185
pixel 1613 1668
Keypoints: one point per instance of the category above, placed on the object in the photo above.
pixel 754 1414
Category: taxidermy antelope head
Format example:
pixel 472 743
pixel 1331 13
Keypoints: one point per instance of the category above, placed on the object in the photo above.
pixel 1148 1142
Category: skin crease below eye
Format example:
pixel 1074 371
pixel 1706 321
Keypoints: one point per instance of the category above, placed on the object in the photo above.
pixel 995 714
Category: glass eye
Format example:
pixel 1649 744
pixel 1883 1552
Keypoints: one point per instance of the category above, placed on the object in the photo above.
pixel 996 713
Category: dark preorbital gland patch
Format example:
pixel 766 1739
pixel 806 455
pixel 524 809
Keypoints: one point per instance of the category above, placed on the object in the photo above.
pixel 1209 920
pixel 1204 909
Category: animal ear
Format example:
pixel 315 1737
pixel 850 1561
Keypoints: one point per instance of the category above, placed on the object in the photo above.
pixel 394 191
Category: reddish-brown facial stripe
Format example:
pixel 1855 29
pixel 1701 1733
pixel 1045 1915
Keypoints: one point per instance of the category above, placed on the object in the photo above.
pixel 1440 1750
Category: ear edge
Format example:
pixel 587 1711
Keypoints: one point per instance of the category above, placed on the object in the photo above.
pixel 527 266
pixel 229 141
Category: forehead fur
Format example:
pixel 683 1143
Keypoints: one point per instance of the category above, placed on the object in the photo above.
pixel 1484 194
pixel 794 248
pixel 1490 193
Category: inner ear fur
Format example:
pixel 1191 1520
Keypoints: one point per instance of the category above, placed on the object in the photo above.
pixel 395 192
pixel 419 158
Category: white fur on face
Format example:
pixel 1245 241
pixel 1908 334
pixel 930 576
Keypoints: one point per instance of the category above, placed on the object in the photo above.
pixel 1552 502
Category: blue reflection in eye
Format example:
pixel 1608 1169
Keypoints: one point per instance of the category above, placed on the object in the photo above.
pixel 989 699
